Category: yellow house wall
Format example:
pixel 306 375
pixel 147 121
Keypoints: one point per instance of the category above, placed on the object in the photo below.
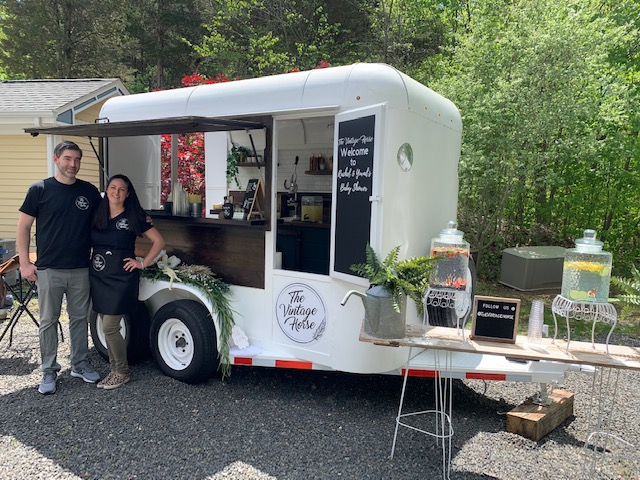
pixel 90 170
pixel 24 161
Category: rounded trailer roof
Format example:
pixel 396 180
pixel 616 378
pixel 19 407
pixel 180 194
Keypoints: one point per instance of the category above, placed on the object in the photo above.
pixel 338 88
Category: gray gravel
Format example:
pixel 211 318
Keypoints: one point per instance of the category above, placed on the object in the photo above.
pixel 281 424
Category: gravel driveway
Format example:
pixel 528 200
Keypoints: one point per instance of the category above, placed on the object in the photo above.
pixel 279 424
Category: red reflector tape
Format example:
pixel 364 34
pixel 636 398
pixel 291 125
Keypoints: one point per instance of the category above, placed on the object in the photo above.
pixel 294 364
pixel 421 373
pixel 486 376
pixel 242 361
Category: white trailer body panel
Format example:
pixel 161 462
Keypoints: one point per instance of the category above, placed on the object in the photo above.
pixel 409 206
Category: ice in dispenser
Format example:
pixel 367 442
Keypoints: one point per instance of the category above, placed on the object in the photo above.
pixel 586 272
pixel 450 272
pixel 311 210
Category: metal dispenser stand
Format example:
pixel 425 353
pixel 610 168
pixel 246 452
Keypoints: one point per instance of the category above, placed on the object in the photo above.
pixel 460 303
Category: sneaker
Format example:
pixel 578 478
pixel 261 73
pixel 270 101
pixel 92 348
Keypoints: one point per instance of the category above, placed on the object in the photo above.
pixel 48 384
pixel 115 380
pixel 105 380
pixel 87 373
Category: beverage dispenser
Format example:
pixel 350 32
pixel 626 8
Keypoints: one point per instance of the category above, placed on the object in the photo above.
pixel 450 271
pixel 587 271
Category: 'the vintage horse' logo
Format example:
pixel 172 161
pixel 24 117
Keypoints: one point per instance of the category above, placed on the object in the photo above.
pixel 301 313
pixel 98 262
pixel 82 203
pixel 122 224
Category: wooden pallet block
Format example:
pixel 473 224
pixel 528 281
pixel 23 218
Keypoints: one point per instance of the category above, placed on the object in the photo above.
pixel 535 421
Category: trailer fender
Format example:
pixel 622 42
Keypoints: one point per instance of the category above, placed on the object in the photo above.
pixel 183 341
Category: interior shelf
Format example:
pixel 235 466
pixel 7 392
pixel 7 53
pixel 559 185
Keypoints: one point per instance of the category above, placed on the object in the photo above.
pixel 250 164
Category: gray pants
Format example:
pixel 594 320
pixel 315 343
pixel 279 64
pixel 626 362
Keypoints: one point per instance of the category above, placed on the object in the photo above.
pixel 116 344
pixel 53 284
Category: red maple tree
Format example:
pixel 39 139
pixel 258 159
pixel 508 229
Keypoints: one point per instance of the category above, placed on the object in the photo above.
pixel 191 165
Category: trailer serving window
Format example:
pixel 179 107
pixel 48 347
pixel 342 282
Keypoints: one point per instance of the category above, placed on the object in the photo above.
pixel 166 140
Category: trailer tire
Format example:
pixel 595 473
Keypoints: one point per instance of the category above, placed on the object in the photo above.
pixel 134 327
pixel 183 341
pixel 442 316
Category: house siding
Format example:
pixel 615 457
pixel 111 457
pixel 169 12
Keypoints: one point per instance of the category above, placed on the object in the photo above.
pixel 23 161
pixel 89 169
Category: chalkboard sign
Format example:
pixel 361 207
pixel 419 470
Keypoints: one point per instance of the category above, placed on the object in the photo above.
pixel 253 198
pixel 495 319
pixel 354 184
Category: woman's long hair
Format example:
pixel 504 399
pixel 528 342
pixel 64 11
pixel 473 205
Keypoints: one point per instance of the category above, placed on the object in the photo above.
pixel 133 211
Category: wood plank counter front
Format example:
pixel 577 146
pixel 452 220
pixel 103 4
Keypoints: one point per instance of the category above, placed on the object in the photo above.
pixel 441 338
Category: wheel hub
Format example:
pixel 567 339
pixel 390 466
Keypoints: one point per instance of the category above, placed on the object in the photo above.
pixel 181 342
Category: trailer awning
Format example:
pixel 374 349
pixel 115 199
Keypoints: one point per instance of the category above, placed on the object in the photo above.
pixel 151 127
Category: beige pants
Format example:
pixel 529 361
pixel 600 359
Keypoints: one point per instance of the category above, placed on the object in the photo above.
pixel 116 345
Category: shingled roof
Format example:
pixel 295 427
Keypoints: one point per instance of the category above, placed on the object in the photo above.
pixel 34 96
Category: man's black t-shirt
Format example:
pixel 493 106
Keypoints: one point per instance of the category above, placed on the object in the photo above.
pixel 63 221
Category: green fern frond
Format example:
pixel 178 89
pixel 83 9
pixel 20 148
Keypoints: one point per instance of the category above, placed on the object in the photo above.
pixel 407 277
pixel 630 299
pixel 629 311
pixel 628 285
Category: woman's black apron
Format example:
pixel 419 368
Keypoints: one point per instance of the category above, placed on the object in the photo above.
pixel 114 291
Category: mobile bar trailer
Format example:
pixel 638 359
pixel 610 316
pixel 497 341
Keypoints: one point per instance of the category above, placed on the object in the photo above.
pixel 383 154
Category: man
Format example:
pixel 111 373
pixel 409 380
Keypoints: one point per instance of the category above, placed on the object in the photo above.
pixel 63 206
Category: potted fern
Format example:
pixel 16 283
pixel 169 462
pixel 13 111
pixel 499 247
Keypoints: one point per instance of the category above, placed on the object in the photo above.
pixel 391 282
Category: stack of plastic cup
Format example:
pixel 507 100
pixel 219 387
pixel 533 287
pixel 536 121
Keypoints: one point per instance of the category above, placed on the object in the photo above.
pixel 536 320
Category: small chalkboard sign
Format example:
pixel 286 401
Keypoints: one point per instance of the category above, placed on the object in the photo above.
pixel 253 198
pixel 495 319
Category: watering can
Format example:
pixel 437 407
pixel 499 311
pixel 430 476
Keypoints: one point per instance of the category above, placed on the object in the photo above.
pixel 381 320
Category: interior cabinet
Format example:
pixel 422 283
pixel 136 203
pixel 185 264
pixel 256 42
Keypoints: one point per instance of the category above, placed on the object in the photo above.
pixel 304 247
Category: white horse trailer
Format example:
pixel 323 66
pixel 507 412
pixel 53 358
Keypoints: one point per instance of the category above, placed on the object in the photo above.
pixel 375 152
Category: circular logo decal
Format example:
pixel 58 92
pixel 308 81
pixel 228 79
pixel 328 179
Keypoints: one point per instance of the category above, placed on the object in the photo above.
pixel 122 224
pixel 82 203
pixel 98 262
pixel 301 313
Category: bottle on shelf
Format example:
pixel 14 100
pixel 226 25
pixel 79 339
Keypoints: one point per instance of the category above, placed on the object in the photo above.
pixel 227 207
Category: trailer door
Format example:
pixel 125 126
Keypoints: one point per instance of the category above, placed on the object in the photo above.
pixel 357 187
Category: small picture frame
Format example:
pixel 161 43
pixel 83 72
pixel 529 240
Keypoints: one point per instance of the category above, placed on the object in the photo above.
pixel 495 319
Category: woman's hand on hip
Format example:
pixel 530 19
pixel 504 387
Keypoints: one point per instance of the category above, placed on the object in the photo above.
pixel 130 264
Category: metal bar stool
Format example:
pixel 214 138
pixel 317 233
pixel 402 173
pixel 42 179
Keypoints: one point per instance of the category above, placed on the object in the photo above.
pixel 19 294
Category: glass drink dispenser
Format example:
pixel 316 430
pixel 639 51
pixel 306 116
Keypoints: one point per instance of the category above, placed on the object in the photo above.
pixel 450 272
pixel 587 271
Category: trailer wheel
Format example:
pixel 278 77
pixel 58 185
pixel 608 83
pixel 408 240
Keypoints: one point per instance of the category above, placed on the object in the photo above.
pixel 134 328
pixel 183 341
pixel 442 316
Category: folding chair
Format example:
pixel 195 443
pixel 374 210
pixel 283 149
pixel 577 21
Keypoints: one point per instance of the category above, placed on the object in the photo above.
pixel 22 296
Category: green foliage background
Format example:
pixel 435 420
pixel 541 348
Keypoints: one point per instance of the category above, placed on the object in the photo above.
pixel 548 90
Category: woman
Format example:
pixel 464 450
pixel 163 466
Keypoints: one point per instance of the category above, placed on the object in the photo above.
pixel 114 271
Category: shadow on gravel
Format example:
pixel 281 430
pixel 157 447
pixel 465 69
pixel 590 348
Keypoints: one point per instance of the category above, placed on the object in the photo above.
pixel 285 424
pixel 17 366
pixel 475 404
